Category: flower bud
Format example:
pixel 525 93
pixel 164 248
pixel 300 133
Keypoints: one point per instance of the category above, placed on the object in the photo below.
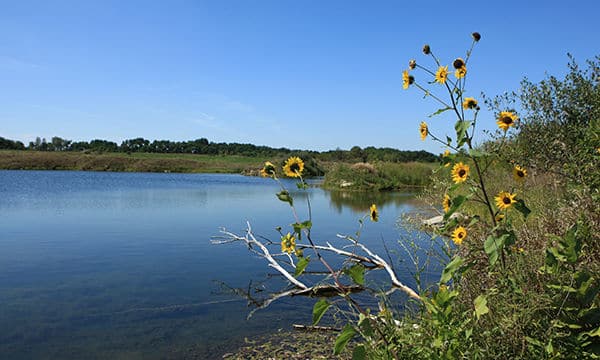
pixel 412 64
pixel 426 50
pixel 476 36
pixel 458 63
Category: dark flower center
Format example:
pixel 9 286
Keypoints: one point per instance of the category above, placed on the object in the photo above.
pixel 506 200
pixel 507 120
pixel 520 173
pixel 295 167
pixel 462 172
pixel 461 235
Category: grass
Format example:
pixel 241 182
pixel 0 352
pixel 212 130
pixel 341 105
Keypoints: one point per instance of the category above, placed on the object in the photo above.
pixel 381 176
pixel 135 162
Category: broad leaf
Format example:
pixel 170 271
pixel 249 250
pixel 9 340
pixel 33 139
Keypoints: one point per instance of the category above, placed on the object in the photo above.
pixel 520 206
pixel 301 265
pixel 481 308
pixel 359 353
pixel 319 309
pixel 451 268
pixel 461 131
pixel 357 273
pixel 342 340
pixel 284 196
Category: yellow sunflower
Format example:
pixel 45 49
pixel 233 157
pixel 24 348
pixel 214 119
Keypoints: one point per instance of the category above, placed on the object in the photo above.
pixel 407 79
pixel 458 235
pixel 293 167
pixel 519 173
pixel 423 130
pixel 499 217
pixel 446 203
pixel 506 119
pixel 267 170
pixel 461 72
pixel 288 243
pixel 374 213
pixel 504 200
pixel 441 74
pixel 469 103
pixel 460 172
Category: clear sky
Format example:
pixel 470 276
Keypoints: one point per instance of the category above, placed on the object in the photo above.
pixel 301 74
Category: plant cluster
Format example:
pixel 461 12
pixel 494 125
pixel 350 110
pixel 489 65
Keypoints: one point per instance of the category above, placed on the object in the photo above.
pixel 512 286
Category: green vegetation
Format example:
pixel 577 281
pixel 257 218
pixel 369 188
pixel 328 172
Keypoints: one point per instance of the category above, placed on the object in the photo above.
pixel 139 162
pixel 379 176
pixel 518 236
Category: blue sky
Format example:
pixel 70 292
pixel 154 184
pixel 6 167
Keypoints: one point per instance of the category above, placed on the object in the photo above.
pixel 301 74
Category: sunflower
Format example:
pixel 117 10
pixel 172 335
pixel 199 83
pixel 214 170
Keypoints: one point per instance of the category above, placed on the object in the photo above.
pixel 446 203
pixel 374 213
pixel 506 119
pixel 458 235
pixel 407 79
pixel 469 103
pixel 412 64
pixel 504 200
pixel 267 170
pixel 441 74
pixel 499 217
pixel 288 243
pixel 293 167
pixel 423 130
pixel 519 173
pixel 460 172
pixel 461 72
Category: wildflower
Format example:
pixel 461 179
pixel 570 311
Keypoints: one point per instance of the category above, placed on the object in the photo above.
pixel 441 74
pixel 288 243
pixel 476 36
pixel 426 50
pixel 293 167
pixel 458 235
pixel 469 103
pixel 519 173
pixel 374 213
pixel 446 153
pixel 412 64
pixel 504 200
pixel 460 172
pixel 461 72
pixel 499 217
pixel 267 170
pixel 506 119
pixel 407 79
pixel 423 130
pixel 446 203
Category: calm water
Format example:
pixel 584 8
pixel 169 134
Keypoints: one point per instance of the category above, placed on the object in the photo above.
pixel 120 265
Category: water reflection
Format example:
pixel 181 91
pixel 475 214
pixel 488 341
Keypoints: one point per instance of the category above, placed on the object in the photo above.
pixel 360 202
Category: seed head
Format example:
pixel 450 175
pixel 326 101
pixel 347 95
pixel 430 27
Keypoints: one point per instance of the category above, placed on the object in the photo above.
pixel 426 50
pixel 476 36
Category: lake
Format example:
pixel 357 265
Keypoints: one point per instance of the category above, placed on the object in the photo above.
pixel 100 265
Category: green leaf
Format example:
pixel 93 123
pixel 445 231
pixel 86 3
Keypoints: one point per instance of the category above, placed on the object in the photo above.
pixel 342 340
pixel 448 140
pixel 359 353
pixel 520 206
pixel 451 268
pixel 357 273
pixel 439 111
pixel 284 196
pixel 461 131
pixel 302 185
pixel 493 246
pixel 481 308
pixel 319 309
pixel 571 245
pixel 455 204
pixel 301 265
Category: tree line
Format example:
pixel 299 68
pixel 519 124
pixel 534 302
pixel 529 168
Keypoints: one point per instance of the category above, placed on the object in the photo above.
pixel 203 146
